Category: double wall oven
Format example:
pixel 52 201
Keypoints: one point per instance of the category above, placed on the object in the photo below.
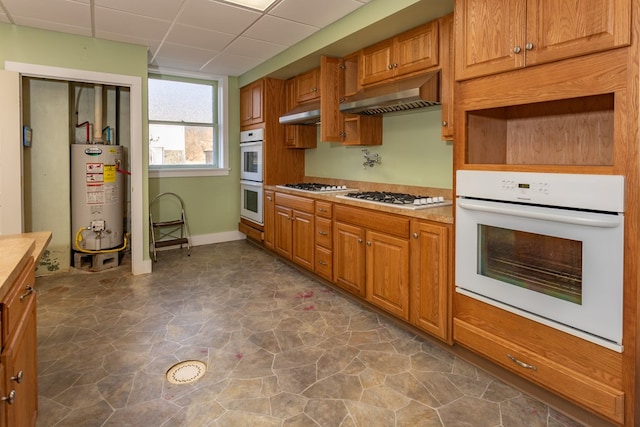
pixel 548 247
pixel 251 175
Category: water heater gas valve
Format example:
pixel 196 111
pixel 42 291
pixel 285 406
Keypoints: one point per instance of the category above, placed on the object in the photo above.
pixel 97 225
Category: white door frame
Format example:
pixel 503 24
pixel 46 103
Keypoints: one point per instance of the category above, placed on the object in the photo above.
pixel 138 264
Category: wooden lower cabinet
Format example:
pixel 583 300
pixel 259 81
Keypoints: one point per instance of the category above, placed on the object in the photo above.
pixel 294 229
pixel 324 239
pixel 269 207
pixel 585 373
pixel 19 349
pixel 387 273
pixel 371 257
pixel 431 272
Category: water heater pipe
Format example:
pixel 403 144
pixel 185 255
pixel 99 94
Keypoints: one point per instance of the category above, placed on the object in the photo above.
pixel 97 114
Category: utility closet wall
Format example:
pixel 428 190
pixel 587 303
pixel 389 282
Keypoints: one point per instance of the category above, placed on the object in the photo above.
pixel 49 109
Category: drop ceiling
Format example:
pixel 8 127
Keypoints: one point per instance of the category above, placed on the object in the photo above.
pixel 204 36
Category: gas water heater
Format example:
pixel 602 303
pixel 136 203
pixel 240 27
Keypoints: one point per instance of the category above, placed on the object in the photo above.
pixel 97 205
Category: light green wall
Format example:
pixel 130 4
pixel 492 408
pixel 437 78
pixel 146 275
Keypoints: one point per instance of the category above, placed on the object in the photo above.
pixel 412 153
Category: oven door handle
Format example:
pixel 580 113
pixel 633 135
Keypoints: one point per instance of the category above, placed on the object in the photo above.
pixel 250 144
pixel 590 221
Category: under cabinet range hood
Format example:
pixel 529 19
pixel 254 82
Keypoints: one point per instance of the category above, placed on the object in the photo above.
pixel 406 94
pixel 304 114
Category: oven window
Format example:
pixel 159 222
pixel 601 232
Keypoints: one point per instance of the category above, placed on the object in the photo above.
pixel 251 200
pixel 545 264
pixel 251 161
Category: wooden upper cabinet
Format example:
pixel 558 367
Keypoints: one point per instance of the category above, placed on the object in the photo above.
pixel 332 83
pixel 308 86
pixel 297 136
pixel 494 36
pixel 446 76
pixel 409 52
pixel 251 109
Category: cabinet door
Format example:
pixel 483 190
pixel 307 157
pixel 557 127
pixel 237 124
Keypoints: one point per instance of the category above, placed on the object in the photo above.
pixel 332 87
pixel 21 371
pixel 430 257
pixel 251 104
pixel 558 30
pixel 387 261
pixel 269 219
pixel 256 103
pixel 446 76
pixel 283 240
pixel 349 258
pixel 416 50
pixel 376 62
pixel 487 32
pixel 308 86
pixel 303 247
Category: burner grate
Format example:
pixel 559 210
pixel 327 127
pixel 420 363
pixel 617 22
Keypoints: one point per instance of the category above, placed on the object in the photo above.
pixel 403 200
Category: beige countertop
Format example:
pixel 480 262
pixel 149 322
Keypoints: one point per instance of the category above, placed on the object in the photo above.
pixel 15 251
pixel 439 214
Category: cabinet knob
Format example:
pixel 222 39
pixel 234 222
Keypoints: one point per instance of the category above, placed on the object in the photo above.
pixel 359 240
pixel 269 198
pixel 528 46
pixel 415 235
pixel 9 399
pixel 18 378
pixel 390 66
pixel 30 290
pixel 368 243
pixel 517 49
pixel 445 123
pixel 395 65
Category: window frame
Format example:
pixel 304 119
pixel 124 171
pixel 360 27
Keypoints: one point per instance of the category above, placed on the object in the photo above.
pixel 221 129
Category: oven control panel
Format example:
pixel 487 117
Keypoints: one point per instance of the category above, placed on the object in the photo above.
pixel 581 191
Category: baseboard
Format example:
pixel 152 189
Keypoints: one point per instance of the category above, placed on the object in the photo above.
pixel 208 239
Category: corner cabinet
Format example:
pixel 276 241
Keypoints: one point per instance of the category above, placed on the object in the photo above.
pixel 251 103
pixel 494 36
pixel 431 276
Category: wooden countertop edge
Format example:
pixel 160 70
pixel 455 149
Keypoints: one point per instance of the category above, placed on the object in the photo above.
pixel 442 214
pixel 25 245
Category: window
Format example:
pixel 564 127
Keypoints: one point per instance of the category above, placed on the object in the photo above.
pixel 184 129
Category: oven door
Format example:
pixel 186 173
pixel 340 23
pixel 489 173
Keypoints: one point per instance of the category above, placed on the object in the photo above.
pixel 251 161
pixel 563 268
pixel 251 203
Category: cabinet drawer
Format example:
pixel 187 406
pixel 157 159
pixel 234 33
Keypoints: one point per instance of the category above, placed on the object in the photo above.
pixel 324 236
pixel 395 225
pixel 17 300
pixel 324 267
pixel 295 202
pixel 571 384
pixel 324 209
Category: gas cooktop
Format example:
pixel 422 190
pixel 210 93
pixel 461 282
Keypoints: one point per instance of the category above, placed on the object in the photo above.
pixel 397 200
pixel 313 187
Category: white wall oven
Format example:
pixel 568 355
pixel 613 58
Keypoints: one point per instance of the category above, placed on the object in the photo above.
pixel 251 158
pixel 251 196
pixel 548 247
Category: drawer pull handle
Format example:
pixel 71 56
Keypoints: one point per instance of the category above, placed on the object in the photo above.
pixel 11 398
pixel 18 378
pixel 26 294
pixel 522 364
pixel 322 263
pixel 322 210
pixel 323 233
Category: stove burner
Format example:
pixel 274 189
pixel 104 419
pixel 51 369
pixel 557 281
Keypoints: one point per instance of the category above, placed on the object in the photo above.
pixel 399 199
pixel 312 186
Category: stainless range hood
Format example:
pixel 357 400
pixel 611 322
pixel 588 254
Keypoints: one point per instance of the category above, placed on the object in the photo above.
pixel 304 114
pixel 406 94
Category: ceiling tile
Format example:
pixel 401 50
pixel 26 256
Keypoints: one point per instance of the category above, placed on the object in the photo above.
pixel 216 16
pixel 199 37
pixel 127 24
pixel 313 12
pixel 193 57
pixel 165 9
pixel 4 18
pixel 230 65
pixel 150 44
pixel 244 46
pixel 280 31
pixel 53 26
pixel 71 13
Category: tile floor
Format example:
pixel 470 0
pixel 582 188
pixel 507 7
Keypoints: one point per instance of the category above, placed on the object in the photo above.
pixel 281 350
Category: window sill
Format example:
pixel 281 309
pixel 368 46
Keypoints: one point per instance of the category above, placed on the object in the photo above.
pixel 185 173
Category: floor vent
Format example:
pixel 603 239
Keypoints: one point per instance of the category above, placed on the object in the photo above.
pixel 186 372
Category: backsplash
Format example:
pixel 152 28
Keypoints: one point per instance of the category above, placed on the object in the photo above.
pixel 412 153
